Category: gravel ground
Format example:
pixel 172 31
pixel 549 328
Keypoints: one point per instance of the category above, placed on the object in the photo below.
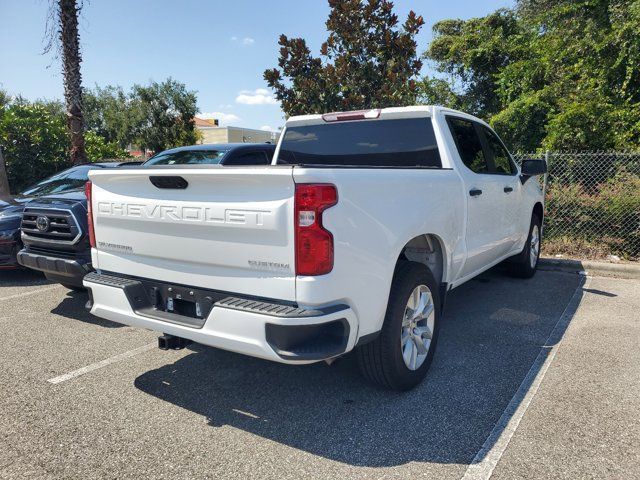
pixel 206 413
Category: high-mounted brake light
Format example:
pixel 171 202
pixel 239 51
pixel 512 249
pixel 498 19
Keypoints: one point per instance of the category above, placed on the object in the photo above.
pixel 92 233
pixel 355 115
pixel 314 243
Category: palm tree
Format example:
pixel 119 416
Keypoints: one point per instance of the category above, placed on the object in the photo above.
pixel 4 181
pixel 65 16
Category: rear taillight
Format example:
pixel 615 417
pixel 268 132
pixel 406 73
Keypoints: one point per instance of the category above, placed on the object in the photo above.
pixel 92 233
pixel 314 244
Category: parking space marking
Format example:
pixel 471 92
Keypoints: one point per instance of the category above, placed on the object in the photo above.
pixel 486 460
pixel 103 363
pixel 30 292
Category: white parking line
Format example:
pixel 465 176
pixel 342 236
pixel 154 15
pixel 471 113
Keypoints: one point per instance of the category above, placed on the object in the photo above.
pixel 30 292
pixel 103 363
pixel 485 461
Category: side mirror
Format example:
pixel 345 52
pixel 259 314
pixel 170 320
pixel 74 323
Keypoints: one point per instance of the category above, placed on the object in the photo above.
pixel 532 167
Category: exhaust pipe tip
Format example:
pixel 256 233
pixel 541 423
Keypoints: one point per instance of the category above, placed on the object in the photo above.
pixel 170 342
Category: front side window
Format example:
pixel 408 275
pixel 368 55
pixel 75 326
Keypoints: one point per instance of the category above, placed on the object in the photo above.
pixel 188 157
pixel 405 142
pixel 501 159
pixel 468 144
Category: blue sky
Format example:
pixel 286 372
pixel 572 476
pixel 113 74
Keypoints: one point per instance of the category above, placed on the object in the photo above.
pixel 218 48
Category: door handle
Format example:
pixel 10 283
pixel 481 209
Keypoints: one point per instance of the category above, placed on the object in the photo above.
pixel 508 189
pixel 475 192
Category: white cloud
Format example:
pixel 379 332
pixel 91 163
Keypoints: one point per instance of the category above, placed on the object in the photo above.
pixel 259 96
pixel 244 41
pixel 224 118
pixel 267 128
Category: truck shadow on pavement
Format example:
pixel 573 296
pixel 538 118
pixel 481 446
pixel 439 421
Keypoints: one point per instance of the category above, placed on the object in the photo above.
pixel 492 331
pixel 74 306
pixel 21 277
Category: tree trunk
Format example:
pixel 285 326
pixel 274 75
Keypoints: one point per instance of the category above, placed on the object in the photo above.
pixel 71 58
pixel 4 181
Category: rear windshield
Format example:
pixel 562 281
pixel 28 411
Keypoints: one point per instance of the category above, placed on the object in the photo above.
pixel 406 142
pixel 188 157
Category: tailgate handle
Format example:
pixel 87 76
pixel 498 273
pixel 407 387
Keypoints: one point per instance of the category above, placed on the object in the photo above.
pixel 172 182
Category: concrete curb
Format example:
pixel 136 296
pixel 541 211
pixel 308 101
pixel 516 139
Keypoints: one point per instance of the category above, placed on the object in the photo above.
pixel 597 269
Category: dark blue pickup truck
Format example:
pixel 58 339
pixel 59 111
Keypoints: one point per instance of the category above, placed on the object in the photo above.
pixel 71 179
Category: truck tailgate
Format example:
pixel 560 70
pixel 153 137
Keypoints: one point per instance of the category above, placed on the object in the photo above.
pixel 230 229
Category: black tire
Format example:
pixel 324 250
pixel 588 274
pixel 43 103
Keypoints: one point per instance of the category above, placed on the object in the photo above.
pixel 521 265
pixel 381 360
pixel 75 288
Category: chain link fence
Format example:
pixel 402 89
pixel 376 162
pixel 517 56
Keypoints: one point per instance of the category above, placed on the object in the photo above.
pixel 592 204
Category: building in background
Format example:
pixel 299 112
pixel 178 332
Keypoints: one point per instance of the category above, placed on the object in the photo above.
pixel 213 133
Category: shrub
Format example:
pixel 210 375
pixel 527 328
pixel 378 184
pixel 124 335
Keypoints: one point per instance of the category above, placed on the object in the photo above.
pixel 36 143
pixel 605 216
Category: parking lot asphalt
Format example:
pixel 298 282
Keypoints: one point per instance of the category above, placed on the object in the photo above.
pixel 128 410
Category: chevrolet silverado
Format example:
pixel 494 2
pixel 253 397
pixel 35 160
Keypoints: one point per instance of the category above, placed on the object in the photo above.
pixel 349 240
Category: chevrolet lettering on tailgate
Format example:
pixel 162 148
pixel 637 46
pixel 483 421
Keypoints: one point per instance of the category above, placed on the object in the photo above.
pixel 177 213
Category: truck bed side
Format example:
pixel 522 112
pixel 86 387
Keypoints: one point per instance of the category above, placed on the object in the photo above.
pixel 378 212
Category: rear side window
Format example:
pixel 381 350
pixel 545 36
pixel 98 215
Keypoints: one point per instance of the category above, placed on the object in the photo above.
pixel 501 159
pixel 248 158
pixel 468 143
pixel 407 142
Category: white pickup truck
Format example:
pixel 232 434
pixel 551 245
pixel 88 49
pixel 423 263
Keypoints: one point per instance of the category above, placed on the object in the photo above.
pixel 350 239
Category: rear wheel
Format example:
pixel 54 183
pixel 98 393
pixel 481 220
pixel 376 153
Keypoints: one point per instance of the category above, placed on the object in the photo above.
pixel 401 355
pixel 525 264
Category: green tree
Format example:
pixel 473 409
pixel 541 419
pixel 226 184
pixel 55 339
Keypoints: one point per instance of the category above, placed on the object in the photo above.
pixel 4 98
pixel 98 148
pixel 109 113
pixel 557 74
pixel 155 116
pixel 163 114
pixel 368 61
pixel 438 91
pixel 471 52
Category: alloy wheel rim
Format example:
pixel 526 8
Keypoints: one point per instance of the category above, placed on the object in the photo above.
pixel 418 323
pixel 535 246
